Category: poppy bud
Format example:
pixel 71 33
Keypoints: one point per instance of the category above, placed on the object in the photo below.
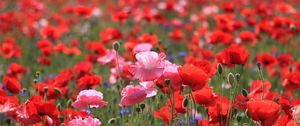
pixel 186 102
pixel 220 68
pixel 142 106
pixel 46 89
pixel 24 90
pixel 276 99
pixel 167 81
pixel 116 45
pixel 37 74
pixel 57 91
pixel 112 120
pixel 292 27
pixel 237 76
pixel 138 109
pixel 181 88
pixel 258 65
pixel 239 118
pixel 62 119
pixel 58 106
pixel 245 93
pixel 35 81
pixel 69 102
pixel 231 79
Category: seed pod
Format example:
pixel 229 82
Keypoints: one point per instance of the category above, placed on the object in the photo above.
pixel 62 119
pixel 142 106
pixel 276 99
pixel 69 102
pixel 24 90
pixel 37 74
pixel 167 81
pixel 238 76
pixel 220 69
pixel 138 109
pixel 231 79
pixel 245 93
pixel 57 91
pixel 258 65
pixel 239 118
pixel 45 89
pixel 116 45
pixel 181 88
pixel 186 101
pixel 112 120
pixel 291 68
pixel 35 81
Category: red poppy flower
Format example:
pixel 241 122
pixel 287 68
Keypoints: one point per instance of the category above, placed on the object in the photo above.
pixel 88 81
pixel 204 96
pixel 120 16
pixel 96 47
pixel 45 47
pixel 164 114
pixel 240 102
pixel 148 38
pixel 178 102
pixel 110 34
pixel 9 49
pixel 44 60
pixel 258 87
pixel 83 11
pixel 16 70
pixel 50 32
pixel 266 59
pixel 285 60
pixel 220 37
pixel 247 36
pixel 264 111
pixel 83 67
pixel 35 110
pixel 193 76
pixel 292 81
pixel 205 65
pixel 176 35
pixel 235 54
pixel 52 91
pixel 12 84
pixel 219 110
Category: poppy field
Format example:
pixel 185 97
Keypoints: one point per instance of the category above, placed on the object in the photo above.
pixel 150 63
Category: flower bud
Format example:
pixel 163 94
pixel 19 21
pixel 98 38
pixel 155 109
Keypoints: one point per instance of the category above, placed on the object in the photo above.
pixel 245 93
pixel 186 101
pixel 112 120
pixel 116 45
pixel 231 79
pixel 167 81
pixel 258 65
pixel 220 69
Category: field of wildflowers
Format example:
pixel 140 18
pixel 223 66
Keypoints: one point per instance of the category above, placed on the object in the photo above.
pixel 150 62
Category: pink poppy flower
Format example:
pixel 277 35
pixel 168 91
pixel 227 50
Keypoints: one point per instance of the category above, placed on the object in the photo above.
pixel 109 57
pixel 91 98
pixel 132 95
pixel 84 121
pixel 149 86
pixel 143 47
pixel 149 66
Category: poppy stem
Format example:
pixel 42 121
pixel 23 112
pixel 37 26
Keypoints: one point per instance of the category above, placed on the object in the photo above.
pixel 91 110
pixel 263 82
pixel 232 98
pixel 193 106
